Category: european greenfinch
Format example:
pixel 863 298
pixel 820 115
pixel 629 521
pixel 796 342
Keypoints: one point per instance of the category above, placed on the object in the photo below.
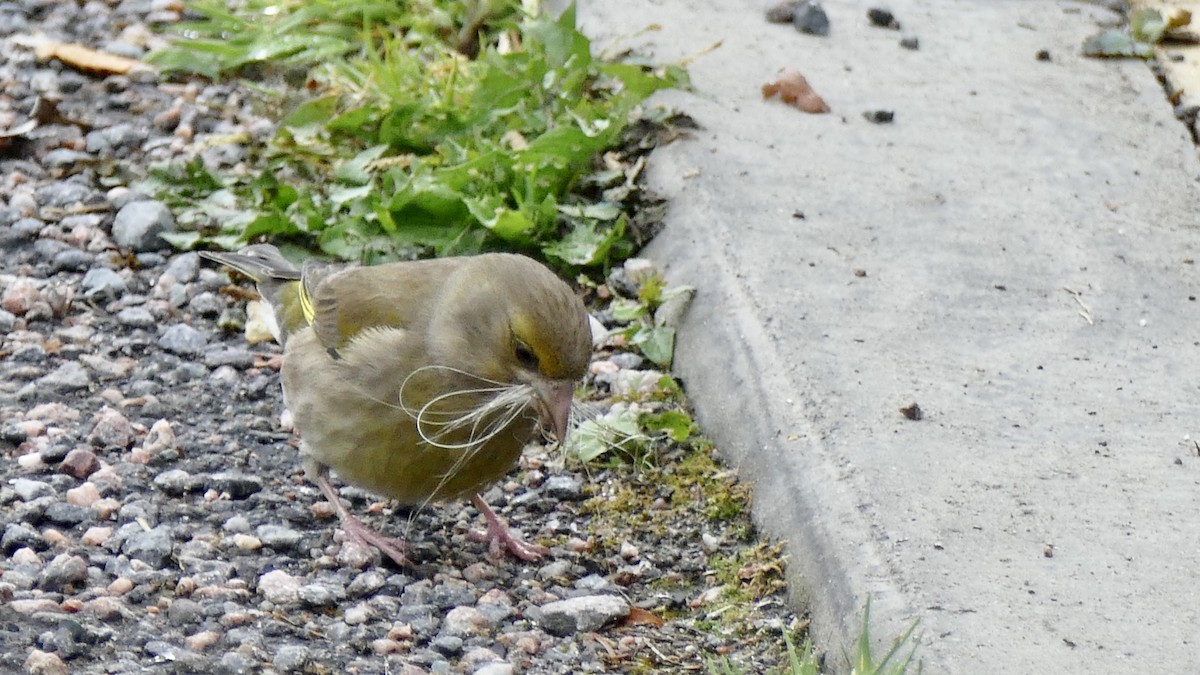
pixel 422 381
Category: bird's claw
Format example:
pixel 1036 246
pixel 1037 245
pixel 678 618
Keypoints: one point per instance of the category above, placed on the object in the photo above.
pixel 499 537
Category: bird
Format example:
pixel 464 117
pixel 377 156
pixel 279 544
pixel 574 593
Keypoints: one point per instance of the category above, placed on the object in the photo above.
pixel 421 381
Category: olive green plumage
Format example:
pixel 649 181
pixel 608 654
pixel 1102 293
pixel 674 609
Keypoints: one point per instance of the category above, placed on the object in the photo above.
pixel 422 380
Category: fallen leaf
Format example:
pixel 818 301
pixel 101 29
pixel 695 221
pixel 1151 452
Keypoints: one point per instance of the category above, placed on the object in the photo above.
pixel 795 91
pixel 638 616
pixel 1116 43
pixel 1178 17
pixel 85 59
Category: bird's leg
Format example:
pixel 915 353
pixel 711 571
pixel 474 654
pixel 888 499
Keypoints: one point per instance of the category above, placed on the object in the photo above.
pixel 392 548
pixel 498 535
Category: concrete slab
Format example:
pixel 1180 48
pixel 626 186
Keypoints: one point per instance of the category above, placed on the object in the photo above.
pixel 1026 229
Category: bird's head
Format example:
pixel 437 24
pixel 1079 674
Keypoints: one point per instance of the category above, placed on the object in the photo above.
pixel 510 320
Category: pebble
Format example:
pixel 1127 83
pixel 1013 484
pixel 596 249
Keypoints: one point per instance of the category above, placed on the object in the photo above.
pixel 19 535
pixel 96 536
pixel 465 622
pixel 175 482
pixel 247 542
pixel 44 663
pixel 202 640
pixel 449 645
pixel 321 594
pixel 111 429
pixel 811 18
pixel 140 225
pixel 279 588
pixel 290 658
pixel 136 317
pixel 26 556
pixel 366 583
pixel 353 555
pixel 494 668
pixel 28 490
pixel 582 614
pixel 563 488
pixel 279 537
pixel 237 485
pixel 356 615
pixel 152 546
pixel 102 284
pixel 182 339
pixel 83 495
pixel 63 571
pixel 68 377
pixel 161 438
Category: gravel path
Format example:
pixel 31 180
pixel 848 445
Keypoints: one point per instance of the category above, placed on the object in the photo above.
pixel 154 514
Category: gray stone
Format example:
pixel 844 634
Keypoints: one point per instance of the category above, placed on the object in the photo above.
pixel 207 304
pixel 228 356
pixel 290 659
pixel 810 18
pixel 279 537
pixel 238 485
pixel 586 613
pixel 321 594
pixel 150 546
pixel 70 376
pixel 448 645
pixel 184 612
pixel 176 482
pixel 19 535
pixel 64 157
pixel 101 282
pixel 71 260
pixel 63 571
pixel 183 267
pixel 365 584
pixel 29 490
pixel 563 488
pixel 28 228
pixel 64 193
pixel 136 317
pixel 140 225
pixel 182 339
pixel 236 663
pixel 68 515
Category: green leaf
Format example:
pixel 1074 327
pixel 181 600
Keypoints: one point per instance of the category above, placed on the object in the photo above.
pixel 356 170
pixel 585 245
pixel 625 310
pixel 657 343
pixel 309 118
pixel 593 438
pixel 1147 25
pixel 677 425
pixel 595 211
pixel 1116 43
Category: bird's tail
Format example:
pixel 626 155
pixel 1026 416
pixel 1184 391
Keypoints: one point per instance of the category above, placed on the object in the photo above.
pixel 279 284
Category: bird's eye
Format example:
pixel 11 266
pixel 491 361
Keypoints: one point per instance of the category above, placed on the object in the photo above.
pixel 525 356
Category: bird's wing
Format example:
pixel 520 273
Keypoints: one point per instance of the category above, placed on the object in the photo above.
pixel 346 302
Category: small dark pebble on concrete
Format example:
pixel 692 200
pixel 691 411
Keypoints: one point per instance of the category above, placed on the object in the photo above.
pixel 882 18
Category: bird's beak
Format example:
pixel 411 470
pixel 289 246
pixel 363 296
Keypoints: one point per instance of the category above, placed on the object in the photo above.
pixel 554 405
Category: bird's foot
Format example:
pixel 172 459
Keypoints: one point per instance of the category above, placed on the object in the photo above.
pixel 499 536
pixel 392 547
pixel 357 530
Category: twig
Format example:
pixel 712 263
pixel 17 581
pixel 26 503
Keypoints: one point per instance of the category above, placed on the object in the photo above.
pixel 1086 312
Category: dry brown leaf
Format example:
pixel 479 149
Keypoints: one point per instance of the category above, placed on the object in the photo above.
pixel 638 616
pixel 85 59
pixel 794 90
